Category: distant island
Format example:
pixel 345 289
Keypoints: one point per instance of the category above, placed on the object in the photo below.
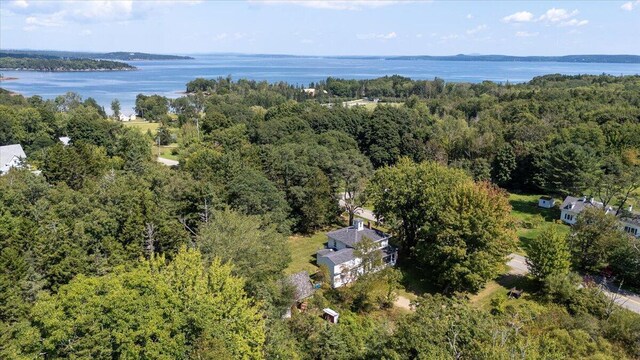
pixel 60 61
pixel 621 59
pixel 119 55
pixel 60 65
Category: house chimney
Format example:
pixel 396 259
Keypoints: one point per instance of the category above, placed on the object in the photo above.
pixel 591 200
pixel 584 198
pixel 630 208
pixel 369 223
pixel 358 224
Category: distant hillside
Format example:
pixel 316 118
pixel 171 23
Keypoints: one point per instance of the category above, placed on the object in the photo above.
pixel 60 65
pixel 622 59
pixel 120 55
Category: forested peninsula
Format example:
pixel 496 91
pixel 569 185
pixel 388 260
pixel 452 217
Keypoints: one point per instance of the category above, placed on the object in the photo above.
pixel 117 55
pixel 60 65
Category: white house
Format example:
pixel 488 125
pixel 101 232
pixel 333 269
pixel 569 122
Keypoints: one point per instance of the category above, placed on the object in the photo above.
pixel 546 202
pixel 572 206
pixel 125 118
pixel 339 258
pixel 11 156
pixel 65 140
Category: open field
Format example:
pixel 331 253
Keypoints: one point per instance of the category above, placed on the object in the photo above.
pixel 142 125
pixel 531 219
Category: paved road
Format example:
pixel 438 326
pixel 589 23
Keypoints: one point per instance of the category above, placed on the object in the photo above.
pixel 167 162
pixel 623 298
pixel 363 213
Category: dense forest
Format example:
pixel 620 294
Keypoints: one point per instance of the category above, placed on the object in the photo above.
pixel 108 254
pixel 58 64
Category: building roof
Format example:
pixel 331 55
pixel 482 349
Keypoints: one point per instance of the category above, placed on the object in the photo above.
pixel 577 205
pixel 65 140
pixel 340 256
pixel 7 153
pixel 350 236
pixel 302 284
pixel 545 197
pixel 329 311
pixel 323 252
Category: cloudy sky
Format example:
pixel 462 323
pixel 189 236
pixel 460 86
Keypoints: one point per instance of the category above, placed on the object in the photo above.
pixel 324 27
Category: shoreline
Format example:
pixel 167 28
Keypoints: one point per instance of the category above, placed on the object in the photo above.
pixel 8 78
pixel 69 70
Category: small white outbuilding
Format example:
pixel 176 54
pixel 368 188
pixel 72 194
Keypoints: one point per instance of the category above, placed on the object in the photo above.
pixel 546 202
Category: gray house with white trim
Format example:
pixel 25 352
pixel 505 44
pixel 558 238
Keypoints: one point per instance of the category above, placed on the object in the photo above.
pixel 340 259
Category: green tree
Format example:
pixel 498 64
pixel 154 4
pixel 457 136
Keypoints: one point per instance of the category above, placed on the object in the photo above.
pixel 259 253
pixel 592 239
pixel 548 254
pixel 567 168
pixel 408 195
pixel 503 165
pixel 369 254
pixel 468 240
pixel 74 164
pixel 115 108
pixel 151 311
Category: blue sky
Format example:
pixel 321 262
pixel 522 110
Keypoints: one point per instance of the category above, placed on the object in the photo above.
pixel 325 27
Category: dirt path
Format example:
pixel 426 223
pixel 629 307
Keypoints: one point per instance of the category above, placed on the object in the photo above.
pixel 403 302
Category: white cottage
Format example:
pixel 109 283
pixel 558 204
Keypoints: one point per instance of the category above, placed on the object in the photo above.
pixel 339 258
pixel 11 156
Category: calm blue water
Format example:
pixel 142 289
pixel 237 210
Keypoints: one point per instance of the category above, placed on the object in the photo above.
pixel 168 78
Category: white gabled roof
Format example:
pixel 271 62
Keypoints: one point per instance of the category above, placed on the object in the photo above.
pixel 8 153
pixel 330 312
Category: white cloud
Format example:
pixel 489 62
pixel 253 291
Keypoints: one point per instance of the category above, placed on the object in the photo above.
pixel 476 29
pixel 629 6
pixel 562 17
pixel 221 36
pixel 50 13
pixel 333 5
pixel 419 36
pixel 449 37
pixel 20 4
pixel 469 16
pixel 521 16
pixel 574 22
pixel 555 15
pixel 86 32
pixel 53 20
pixel 526 34
pixel 372 36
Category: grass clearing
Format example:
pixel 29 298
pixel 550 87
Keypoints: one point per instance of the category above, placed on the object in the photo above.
pixel 303 250
pixel 531 219
pixel 144 126
pixel 166 151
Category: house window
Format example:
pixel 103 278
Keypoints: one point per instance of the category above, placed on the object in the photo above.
pixel 568 217
pixel 631 230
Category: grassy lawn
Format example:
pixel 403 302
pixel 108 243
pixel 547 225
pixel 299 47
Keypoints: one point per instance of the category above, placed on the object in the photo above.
pixel 531 219
pixel 142 125
pixel 165 151
pixel 499 288
pixel 303 250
